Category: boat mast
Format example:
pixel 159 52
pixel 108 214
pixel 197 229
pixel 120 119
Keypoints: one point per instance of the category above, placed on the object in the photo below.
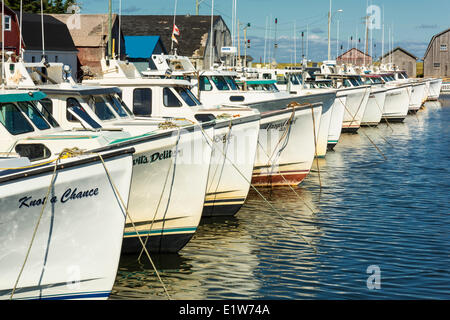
pixel 3 45
pixel 211 56
pixel 109 29
pixel 42 29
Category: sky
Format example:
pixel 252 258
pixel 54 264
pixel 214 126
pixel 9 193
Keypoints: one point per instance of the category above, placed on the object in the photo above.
pixel 411 23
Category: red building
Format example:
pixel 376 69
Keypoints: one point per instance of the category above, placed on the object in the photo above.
pixel 11 32
pixel 355 57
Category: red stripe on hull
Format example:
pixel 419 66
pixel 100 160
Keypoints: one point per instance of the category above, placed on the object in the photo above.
pixel 277 179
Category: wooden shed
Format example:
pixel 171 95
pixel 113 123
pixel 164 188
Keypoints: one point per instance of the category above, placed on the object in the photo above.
pixel 194 40
pixel 91 40
pixel 436 61
pixel 354 57
pixel 402 59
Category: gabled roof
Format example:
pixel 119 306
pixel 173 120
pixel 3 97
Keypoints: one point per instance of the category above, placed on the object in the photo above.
pixel 56 34
pixel 352 49
pixel 93 28
pixel 193 29
pixel 143 46
pixel 401 49
pixel 432 40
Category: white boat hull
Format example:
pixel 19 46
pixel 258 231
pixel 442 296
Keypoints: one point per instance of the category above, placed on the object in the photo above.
pixel 434 89
pixel 396 104
pixel 76 249
pixel 374 109
pixel 233 155
pixel 286 145
pixel 355 107
pixel 164 207
pixel 337 118
pixel 417 92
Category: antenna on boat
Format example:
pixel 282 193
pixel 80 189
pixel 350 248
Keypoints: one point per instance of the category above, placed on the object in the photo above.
pixel 265 41
pixel 172 35
pixel 109 29
pixel 120 23
pixel 20 31
pixel 42 31
pixel 211 56
pixel 3 44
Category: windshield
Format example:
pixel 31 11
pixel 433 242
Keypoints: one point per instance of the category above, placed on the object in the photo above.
pixel 101 110
pixel 376 80
pixel 45 106
pixel 231 83
pixel 294 79
pixel 34 115
pixel 117 106
pixel 74 106
pixel 185 96
pixel 220 83
pixel 13 120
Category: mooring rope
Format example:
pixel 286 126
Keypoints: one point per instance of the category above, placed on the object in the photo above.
pixel 173 163
pixel 209 140
pixel 68 153
pixel 359 107
pixel 134 226
pixel 315 147
pixel 372 141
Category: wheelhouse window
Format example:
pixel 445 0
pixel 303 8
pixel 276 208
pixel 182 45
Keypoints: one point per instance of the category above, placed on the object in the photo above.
pixel 231 83
pixel 193 97
pixel 220 83
pixel 185 96
pixel 281 79
pixel 170 99
pixel 45 106
pixel 13 120
pixel 117 106
pixel 75 106
pixel 294 79
pixel 347 83
pixel 142 102
pixel 101 110
pixel 34 115
pixel 205 84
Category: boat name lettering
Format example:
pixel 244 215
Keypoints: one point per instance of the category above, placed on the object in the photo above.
pixel 69 194
pixel 166 154
pixel 281 126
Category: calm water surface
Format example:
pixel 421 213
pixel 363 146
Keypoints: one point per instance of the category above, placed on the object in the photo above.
pixel 393 214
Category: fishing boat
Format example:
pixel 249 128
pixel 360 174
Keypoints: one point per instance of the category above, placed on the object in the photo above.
pixel 169 157
pixel 233 142
pixel 377 99
pixel 61 220
pixel 290 82
pixel 286 144
pixel 397 99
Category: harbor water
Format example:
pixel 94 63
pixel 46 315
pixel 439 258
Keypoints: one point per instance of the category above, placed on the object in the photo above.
pixel 367 223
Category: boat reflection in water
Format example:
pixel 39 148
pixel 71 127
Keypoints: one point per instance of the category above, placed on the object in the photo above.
pixel 239 269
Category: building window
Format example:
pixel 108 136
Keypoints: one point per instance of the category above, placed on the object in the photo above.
pixel 443 47
pixel 142 102
pixel 436 65
pixel 7 23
